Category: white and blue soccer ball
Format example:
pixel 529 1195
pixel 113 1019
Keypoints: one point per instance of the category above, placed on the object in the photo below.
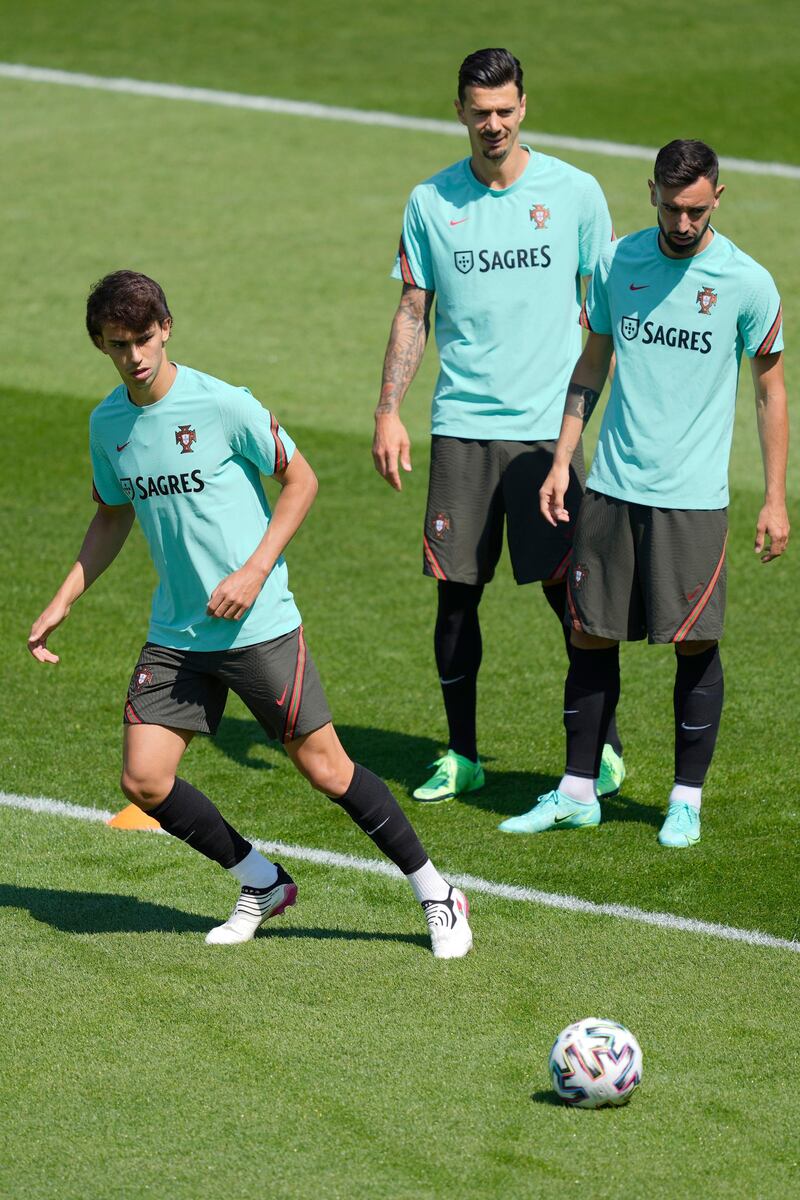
pixel 595 1063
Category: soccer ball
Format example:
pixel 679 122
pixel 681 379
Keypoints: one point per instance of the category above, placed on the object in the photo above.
pixel 595 1063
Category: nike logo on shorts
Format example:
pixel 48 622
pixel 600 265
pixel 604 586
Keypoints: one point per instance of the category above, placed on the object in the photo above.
pixel 283 697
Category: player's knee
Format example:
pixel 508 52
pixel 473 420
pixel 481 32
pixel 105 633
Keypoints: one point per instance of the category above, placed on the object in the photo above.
pixel 145 791
pixel 328 774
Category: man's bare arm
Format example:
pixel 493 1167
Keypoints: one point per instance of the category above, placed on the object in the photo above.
pixel 103 541
pixel 407 340
pixel 772 415
pixel 583 393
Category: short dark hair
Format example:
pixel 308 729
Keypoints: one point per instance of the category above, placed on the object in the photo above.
pixel 683 161
pixel 489 69
pixel 125 298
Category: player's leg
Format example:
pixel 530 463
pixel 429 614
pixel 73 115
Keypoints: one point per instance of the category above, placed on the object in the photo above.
pixel 687 602
pixel 604 607
pixel 461 545
pixel 168 686
pixel 612 766
pixel 540 552
pixel 366 799
pixel 280 684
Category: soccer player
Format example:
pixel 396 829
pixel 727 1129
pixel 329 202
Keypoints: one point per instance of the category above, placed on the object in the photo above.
pixel 679 304
pixel 501 240
pixel 182 451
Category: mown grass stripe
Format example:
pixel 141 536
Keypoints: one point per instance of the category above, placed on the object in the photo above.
pixel 357 116
pixel 471 883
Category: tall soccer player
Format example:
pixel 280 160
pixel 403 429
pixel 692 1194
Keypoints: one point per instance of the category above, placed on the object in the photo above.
pixel 500 241
pixel 182 452
pixel 679 304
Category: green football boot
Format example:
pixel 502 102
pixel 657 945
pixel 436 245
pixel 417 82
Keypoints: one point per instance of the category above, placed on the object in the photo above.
pixel 554 811
pixel 612 772
pixel 681 827
pixel 454 775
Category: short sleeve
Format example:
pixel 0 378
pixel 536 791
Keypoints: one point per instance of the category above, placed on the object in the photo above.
pixel 106 486
pixel 595 232
pixel 254 432
pixel 760 321
pixel 413 263
pixel 596 314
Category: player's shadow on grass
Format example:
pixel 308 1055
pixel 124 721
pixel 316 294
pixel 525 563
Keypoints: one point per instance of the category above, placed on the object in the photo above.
pixel 391 755
pixel 107 912
pixel 101 912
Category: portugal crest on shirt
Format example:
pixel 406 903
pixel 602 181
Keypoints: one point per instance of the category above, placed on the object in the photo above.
pixel 185 437
pixel 629 327
pixel 540 216
pixel 706 299
pixel 464 260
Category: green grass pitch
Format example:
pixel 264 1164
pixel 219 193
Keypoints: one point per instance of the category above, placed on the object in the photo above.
pixel 332 1057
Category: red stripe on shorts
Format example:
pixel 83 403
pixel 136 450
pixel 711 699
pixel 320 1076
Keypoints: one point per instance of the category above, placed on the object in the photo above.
pixel 573 612
pixel 694 615
pixel 431 559
pixel 296 699
pixel 131 716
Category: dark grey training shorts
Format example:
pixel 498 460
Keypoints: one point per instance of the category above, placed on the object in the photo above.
pixel 187 689
pixel 476 485
pixel 639 572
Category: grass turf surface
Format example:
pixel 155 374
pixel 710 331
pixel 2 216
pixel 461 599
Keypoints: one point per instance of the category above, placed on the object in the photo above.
pixel 273 238
pixel 334 1057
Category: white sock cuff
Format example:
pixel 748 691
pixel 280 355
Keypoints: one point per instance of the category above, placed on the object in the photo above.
pixel 428 884
pixel 578 788
pixel 682 793
pixel 255 871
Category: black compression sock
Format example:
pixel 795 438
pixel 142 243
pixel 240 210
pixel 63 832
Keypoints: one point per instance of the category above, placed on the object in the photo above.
pixel 189 815
pixel 458 649
pixel 697 699
pixel 556 596
pixel 374 809
pixel 591 692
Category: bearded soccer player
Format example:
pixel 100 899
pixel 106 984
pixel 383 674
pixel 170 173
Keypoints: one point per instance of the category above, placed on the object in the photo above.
pixel 679 304
pixel 182 451
pixel 500 240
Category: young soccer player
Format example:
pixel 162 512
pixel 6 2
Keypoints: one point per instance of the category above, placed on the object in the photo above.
pixel 182 451
pixel 501 241
pixel 679 304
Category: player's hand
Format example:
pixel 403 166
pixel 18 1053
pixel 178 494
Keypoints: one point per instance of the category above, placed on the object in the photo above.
pixel 231 598
pixel 42 627
pixel 772 532
pixel 552 493
pixel 391 445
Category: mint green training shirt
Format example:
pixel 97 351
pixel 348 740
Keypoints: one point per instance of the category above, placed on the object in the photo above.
pixel 506 268
pixel 679 328
pixel 190 465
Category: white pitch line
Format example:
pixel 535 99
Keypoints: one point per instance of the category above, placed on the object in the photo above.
pixel 356 116
pixel 471 883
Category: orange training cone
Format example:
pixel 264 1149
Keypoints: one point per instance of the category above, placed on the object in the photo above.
pixel 133 818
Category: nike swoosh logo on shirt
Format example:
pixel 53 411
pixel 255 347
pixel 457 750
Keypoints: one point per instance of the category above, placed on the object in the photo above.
pixel 122 447
pixel 638 287
pixel 461 222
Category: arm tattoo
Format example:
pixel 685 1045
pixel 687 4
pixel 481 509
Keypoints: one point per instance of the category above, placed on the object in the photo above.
pixel 406 347
pixel 581 402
